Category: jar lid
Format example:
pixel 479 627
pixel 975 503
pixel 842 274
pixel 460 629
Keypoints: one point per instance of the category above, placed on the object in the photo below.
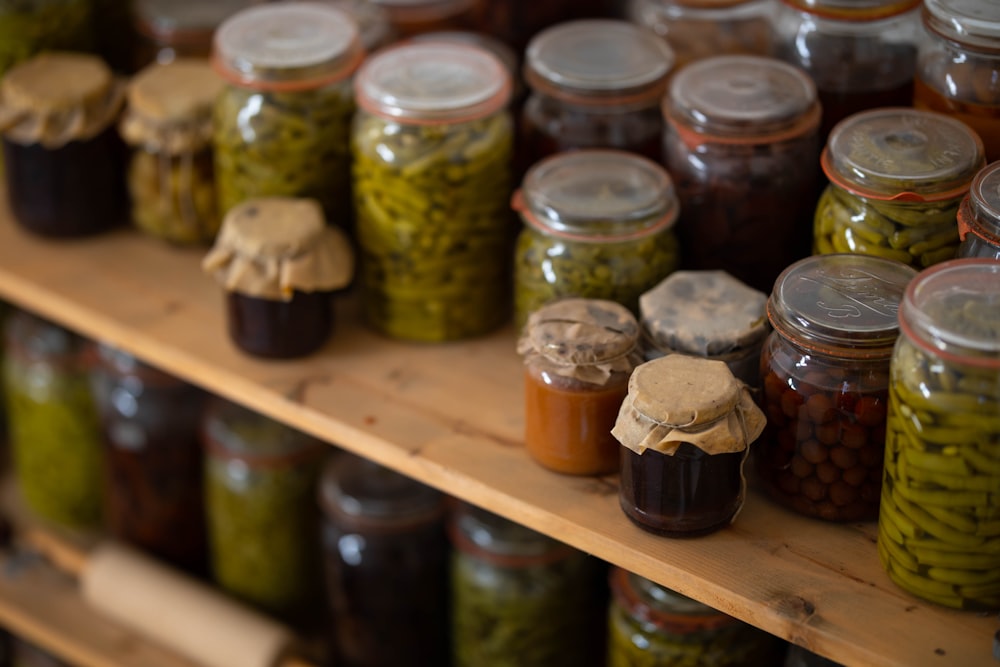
pixel 238 432
pixel 984 204
pixel 742 96
pixel 665 608
pixel 903 154
pixel 597 194
pixel 578 331
pixel 854 10
pixel 288 46
pixel 495 46
pixel 433 82
pixel 372 19
pixel 848 304
pixel 974 23
pixel 474 529
pixel 172 19
pixel 353 487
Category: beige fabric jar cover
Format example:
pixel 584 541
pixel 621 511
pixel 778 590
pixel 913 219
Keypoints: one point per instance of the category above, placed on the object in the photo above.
pixel 271 247
pixel 677 399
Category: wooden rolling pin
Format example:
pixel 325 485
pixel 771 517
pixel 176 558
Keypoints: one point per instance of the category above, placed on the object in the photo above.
pixel 167 606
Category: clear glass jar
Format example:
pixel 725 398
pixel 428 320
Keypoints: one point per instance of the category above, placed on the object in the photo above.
pixel 432 144
pixel 742 146
pixel 27 28
pixel 897 177
pixel 54 430
pixel 171 29
pixel 153 457
pixel 825 371
pixel 372 19
pixel 521 598
pixel 597 224
pixel 282 124
pixel 594 84
pixel 386 568
pixel 937 519
pixel 861 55
pixel 413 17
pixel 958 66
pixel 979 216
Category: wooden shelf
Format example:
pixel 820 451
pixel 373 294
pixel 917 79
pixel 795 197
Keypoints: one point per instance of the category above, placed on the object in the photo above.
pixel 450 415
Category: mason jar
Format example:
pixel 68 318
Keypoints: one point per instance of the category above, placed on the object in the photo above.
pixel 979 216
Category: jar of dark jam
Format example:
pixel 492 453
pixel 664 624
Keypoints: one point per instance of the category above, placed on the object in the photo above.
pixel 685 430
pixel 742 146
pixel 386 555
pixel 959 65
pixel 171 29
pixel 279 264
pixel 594 84
pixel 64 162
pixel 979 216
pixel 825 377
pixel 153 457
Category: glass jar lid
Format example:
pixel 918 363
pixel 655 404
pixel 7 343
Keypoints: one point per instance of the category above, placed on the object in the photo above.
pixel 355 488
pixel 479 531
pixel 845 304
pixel 854 10
pixel 983 204
pixel 665 608
pixel 171 20
pixel 903 154
pixel 233 431
pixel 433 82
pixel 974 23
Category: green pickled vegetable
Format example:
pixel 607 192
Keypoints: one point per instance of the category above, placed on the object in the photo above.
pixel 173 198
pixel 28 27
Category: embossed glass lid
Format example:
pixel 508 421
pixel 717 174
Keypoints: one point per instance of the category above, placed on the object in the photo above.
pixel 975 23
pixel 984 198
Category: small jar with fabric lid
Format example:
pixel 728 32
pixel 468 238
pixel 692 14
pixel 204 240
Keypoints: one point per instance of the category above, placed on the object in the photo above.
pixel 649 624
pixel 979 216
pixel 742 146
pixel 63 159
pixel 594 83
pixel 578 355
pixel 706 314
pixel 280 266
pixel 897 178
pixel 597 224
pixel 938 514
pixel 386 563
pixel 432 145
pixel 685 430
pixel 959 65
pixel 282 124
pixel 519 597
pixel 171 175
pixel 170 29
pixel 33 26
pixel 825 377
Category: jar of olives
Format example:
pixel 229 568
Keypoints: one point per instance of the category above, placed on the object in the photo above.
pixel 938 516
pixel 742 145
pixel 597 224
pixel 979 216
pixel 959 64
pixel 282 123
pixel 897 177
pixel 432 145
pixel 825 371
pixel 171 29
pixel 30 27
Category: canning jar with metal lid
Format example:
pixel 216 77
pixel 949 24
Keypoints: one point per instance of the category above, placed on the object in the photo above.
pixel 594 83
pixel 742 146
pixel 938 518
pixel 958 66
pixel 597 224
pixel 979 216
pixel 432 144
pixel 897 177
pixel 171 29
pixel 282 124
pixel 825 383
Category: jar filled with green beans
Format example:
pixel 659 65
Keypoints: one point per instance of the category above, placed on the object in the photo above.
pixel 28 27
pixel 939 517
pixel 979 216
pixel 431 145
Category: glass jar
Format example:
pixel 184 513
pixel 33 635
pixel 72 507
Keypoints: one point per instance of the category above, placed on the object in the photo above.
pixel 152 456
pixel 594 84
pixel 54 430
pixel 825 371
pixel 282 124
pixel 375 28
pixel 517 23
pixel 897 177
pixel 861 55
pixel 386 565
pixel 63 159
pixel 938 515
pixel 597 224
pixel 685 430
pixel 413 17
pixel 30 27
pixel 578 356
pixel 170 29
pixel 649 624
pixel 958 66
pixel 432 145
pixel 979 216
pixel 742 146
pixel 260 505
pixel 521 598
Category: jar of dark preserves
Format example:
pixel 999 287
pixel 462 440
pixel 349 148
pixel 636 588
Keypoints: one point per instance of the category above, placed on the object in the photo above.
pixel 979 216
pixel 578 355
pixel 825 371
pixel 64 162
pixel 170 29
pixel 153 457
pixel 742 146
pixel 30 27
pixel 279 265
pixel 685 430
pixel 386 565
